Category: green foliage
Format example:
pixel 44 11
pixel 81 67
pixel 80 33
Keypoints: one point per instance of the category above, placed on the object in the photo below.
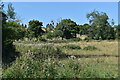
pixel 84 29
pixel 71 69
pixel 57 33
pixel 11 31
pixel 15 30
pixel 35 26
pixel 54 34
pixel 8 51
pixel 10 12
pixel 90 48
pixel 67 26
pixel 117 31
pixel 29 66
pixel 72 46
pixel 101 28
pixel 98 19
pixel 49 35
pixel 29 34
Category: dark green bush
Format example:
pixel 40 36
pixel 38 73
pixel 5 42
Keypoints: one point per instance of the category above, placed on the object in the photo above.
pixel 90 48
pixel 72 46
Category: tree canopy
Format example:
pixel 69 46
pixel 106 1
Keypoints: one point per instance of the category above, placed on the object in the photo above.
pixel 67 26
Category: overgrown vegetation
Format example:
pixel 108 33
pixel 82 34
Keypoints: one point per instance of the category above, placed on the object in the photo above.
pixel 47 52
pixel 29 66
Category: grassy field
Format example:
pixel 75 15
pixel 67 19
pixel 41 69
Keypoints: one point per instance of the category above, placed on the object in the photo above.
pixel 100 61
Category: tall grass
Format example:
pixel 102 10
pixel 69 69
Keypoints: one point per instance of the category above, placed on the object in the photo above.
pixel 29 66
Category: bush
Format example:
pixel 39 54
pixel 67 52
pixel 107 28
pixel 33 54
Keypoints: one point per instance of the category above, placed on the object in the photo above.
pixel 90 48
pixel 72 46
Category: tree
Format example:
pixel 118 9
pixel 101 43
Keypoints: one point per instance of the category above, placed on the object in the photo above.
pixel 18 30
pixel 10 12
pixel 98 19
pixel 35 26
pixel 99 23
pixel 11 31
pixel 67 26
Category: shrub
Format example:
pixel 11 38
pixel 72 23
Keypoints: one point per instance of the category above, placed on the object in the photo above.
pixel 72 46
pixel 90 48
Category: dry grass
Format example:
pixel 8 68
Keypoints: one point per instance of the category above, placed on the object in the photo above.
pixel 105 48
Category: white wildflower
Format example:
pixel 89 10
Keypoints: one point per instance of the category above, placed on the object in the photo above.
pixel 73 57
